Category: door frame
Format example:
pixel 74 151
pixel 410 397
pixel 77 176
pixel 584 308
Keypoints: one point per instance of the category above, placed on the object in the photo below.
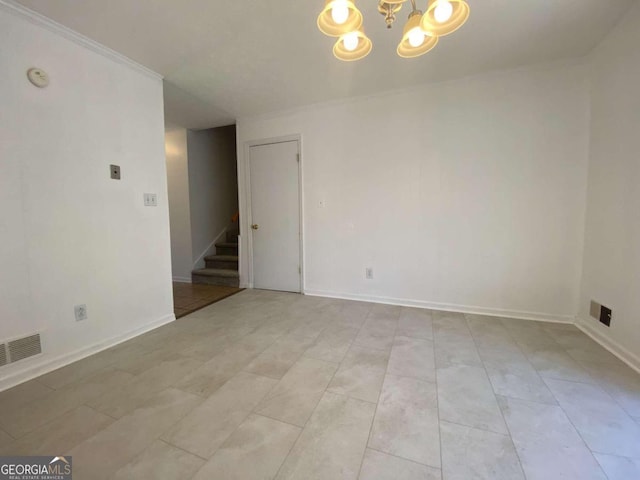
pixel 248 221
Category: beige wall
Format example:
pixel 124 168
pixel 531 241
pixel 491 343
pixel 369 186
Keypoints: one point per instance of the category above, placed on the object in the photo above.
pixel 466 195
pixel 612 235
pixel 179 209
pixel 69 234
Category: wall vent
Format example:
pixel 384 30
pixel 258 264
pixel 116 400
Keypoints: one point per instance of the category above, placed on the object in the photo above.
pixel 3 355
pixel 24 348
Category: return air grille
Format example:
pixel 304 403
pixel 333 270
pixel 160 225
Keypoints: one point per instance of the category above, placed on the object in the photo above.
pixel 24 347
pixel 3 355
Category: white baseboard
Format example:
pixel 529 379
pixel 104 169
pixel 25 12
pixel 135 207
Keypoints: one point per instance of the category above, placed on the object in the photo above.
pixel 447 307
pixel 47 364
pixel 182 279
pixel 589 328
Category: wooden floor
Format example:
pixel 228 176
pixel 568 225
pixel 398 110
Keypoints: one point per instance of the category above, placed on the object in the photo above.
pixel 189 297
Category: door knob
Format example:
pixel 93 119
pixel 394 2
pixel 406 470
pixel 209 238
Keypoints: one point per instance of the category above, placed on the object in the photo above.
pixel 255 226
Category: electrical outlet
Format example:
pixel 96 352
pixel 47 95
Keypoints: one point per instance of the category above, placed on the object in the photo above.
pixel 80 312
pixel 150 200
pixel 605 316
pixel 115 171
pixel 369 273
pixel 601 313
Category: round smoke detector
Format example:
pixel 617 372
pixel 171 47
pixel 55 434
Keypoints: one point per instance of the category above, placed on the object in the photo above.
pixel 38 77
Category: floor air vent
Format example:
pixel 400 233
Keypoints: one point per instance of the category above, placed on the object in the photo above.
pixel 24 347
pixel 3 355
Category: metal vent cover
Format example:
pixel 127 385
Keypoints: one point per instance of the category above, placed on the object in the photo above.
pixel 3 355
pixel 24 347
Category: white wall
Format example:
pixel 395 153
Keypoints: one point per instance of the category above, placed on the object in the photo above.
pixel 179 209
pixel 612 236
pixel 466 195
pixel 68 233
pixel 213 186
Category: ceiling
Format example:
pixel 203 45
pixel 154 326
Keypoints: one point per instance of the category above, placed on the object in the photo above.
pixel 224 60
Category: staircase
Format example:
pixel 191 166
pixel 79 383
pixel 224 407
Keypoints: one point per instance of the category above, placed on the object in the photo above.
pixel 221 268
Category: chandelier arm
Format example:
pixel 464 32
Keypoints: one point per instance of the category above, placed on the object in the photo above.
pixel 413 5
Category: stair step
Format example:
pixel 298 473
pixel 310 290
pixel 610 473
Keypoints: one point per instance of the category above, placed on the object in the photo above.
pixel 223 258
pixel 227 248
pixel 216 272
pixel 216 276
pixel 232 236
pixel 226 262
pixel 227 244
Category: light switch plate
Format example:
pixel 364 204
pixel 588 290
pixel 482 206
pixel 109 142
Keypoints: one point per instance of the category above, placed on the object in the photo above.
pixel 150 200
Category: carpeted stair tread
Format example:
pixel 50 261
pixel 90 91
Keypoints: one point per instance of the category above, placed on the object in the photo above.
pixel 216 272
pixel 222 258
pixel 227 244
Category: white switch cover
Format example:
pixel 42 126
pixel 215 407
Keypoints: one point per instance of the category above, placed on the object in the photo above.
pixel 150 200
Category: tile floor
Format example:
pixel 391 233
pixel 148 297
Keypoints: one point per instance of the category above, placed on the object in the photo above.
pixel 190 297
pixel 272 385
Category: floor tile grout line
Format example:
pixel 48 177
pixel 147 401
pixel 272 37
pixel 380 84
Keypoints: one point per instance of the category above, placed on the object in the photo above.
pixel 472 427
pixel 9 435
pixel 43 425
pixel 586 445
pixel 309 418
pixel 159 439
pixel 405 459
pixel 152 439
pixel 435 368
pixel 375 410
pixel 524 354
pixel 543 378
pixel 515 450
pixel 519 349
pixel 554 396
pixel 274 419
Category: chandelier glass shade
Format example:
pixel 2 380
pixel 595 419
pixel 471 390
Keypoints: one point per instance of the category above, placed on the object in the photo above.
pixel 415 41
pixel 341 18
pixel 352 46
pixel 445 16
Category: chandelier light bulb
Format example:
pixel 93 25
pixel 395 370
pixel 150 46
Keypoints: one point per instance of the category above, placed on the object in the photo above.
pixel 342 19
pixel 350 41
pixel 443 11
pixel 339 17
pixel 353 45
pixel 416 37
pixel 340 12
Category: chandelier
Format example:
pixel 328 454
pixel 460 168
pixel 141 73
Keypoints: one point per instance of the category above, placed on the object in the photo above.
pixel 342 19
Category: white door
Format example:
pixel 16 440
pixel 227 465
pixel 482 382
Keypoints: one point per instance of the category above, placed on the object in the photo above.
pixel 275 216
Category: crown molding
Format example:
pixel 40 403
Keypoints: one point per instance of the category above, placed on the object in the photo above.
pixel 36 18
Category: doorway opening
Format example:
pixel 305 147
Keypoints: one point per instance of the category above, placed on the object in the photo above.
pixel 202 185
